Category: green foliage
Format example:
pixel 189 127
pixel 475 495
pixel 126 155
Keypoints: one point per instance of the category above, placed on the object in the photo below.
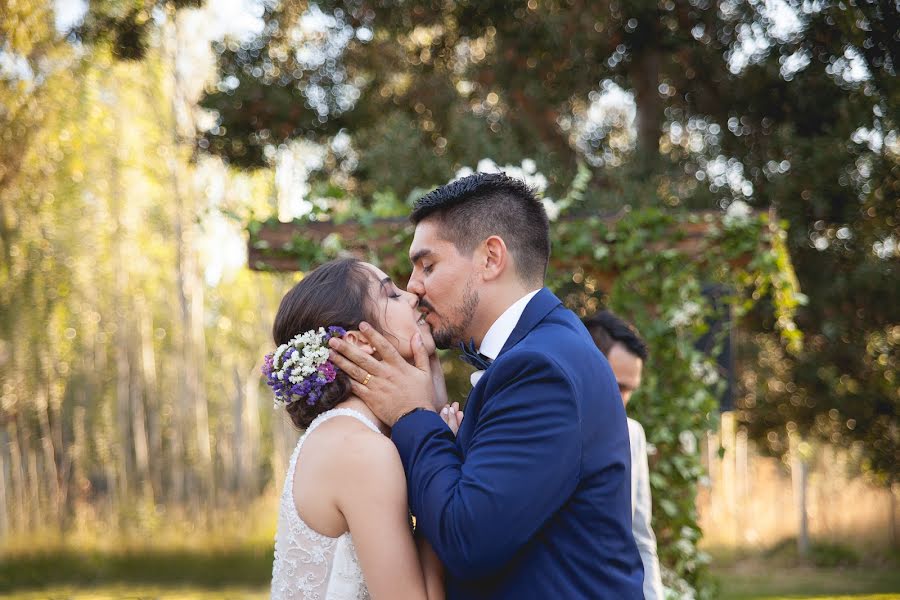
pixel 125 27
pixel 794 111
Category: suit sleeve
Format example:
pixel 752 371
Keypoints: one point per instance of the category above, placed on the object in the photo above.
pixel 522 465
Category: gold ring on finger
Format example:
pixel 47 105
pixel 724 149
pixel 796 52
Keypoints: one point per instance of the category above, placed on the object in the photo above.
pixel 366 380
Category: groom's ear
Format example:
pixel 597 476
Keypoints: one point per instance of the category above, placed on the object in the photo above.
pixel 359 340
pixel 495 257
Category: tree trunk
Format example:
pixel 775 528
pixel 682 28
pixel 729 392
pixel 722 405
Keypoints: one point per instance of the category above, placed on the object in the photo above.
pixel 235 480
pixel 197 342
pixel 81 484
pixel 645 78
pixel 249 463
pixel 139 433
pixel 17 475
pixel 105 451
pixel 33 477
pixel 50 472
pixel 154 399
pixel 4 486
pixel 56 391
pixel 183 134
pixel 137 391
pixel 181 426
pixel 123 329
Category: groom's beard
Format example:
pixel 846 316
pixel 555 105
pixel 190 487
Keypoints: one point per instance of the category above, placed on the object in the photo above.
pixel 448 335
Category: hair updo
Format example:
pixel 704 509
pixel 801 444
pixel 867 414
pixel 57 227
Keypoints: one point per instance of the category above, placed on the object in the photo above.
pixel 336 293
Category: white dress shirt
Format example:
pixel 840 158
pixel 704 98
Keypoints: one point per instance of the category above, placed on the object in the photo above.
pixel 640 512
pixel 499 332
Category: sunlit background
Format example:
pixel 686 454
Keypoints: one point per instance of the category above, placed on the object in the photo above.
pixel 144 143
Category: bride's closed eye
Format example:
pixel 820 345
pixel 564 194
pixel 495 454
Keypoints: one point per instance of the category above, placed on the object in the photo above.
pixel 390 290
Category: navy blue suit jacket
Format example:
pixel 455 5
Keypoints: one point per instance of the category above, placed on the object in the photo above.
pixel 532 500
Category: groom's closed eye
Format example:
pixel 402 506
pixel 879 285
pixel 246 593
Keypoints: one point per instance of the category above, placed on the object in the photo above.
pixel 419 259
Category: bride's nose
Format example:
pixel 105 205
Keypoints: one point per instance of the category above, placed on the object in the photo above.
pixel 412 299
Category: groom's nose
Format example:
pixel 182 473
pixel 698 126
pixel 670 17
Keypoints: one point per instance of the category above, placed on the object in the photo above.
pixel 415 286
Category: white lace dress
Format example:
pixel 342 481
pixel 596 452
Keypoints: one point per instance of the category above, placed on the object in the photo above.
pixel 309 565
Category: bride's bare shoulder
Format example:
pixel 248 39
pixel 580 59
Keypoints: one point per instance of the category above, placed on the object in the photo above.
pixel 366 465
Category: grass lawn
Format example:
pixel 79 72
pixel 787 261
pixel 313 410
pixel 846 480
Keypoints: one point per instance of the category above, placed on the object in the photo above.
pixel 126 592
pixel 765 582
pixel 243 574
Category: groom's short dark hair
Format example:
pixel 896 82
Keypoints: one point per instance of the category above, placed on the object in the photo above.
pixel 476 207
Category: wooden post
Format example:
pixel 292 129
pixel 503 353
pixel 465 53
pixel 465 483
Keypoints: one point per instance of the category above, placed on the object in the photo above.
pixel 803 535
pixel 728 474
pixel 893 516
pixel 799 478
pixel 742 481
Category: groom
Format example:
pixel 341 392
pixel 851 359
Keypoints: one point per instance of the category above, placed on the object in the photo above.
pixel 532 499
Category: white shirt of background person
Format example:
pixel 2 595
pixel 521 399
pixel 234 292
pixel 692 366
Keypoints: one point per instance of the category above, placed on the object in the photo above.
pixel 627 368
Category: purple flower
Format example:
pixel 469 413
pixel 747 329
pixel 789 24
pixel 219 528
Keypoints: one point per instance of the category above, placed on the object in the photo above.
pixel 310 388
pixel 335 331
pixel 268 365
pixel 328 371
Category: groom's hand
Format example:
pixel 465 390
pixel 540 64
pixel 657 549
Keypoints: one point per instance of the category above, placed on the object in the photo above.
pixel 390 387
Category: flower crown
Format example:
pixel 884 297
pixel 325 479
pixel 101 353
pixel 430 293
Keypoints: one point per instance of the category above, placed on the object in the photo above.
pixel 300 369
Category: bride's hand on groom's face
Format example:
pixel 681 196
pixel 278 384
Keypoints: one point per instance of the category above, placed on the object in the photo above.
pixel 390 387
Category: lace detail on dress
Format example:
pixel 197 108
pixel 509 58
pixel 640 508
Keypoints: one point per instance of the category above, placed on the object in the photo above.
pixel 309 565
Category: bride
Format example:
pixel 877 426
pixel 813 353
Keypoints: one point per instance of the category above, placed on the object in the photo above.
pixel 344 528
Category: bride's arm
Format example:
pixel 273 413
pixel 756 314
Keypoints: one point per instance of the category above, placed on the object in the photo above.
pixel 372 498
pixel 432 567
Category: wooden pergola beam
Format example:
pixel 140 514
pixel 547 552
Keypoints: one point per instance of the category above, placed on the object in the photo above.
pixel 267 250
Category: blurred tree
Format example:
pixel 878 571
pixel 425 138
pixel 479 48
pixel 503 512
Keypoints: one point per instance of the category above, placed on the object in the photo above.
pixel 127 391
pixel 692 103
pixel 125 26
pixel 31 273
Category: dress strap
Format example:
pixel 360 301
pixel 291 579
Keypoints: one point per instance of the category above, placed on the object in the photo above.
pixel 341 412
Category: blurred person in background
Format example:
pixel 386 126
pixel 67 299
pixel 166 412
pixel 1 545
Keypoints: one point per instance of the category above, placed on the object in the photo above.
pixel 626 353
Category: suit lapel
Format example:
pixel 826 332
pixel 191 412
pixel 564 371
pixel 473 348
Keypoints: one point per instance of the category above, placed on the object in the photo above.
pixel 538 308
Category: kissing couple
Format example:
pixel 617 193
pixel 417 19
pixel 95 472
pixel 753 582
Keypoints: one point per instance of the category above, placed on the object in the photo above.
pixel 528 496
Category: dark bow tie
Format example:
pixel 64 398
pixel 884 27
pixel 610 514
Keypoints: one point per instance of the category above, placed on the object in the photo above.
pixel 473 356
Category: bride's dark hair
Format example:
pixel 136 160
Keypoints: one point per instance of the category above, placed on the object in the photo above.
pixel 336 293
